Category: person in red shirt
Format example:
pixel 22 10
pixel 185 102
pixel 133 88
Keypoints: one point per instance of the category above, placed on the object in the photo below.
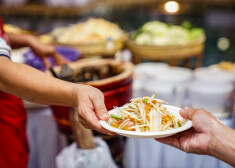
pixel 30 84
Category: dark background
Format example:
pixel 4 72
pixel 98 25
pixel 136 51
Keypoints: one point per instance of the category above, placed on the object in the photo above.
pixel 217 20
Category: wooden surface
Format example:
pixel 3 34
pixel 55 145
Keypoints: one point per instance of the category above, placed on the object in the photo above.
pixel 82 136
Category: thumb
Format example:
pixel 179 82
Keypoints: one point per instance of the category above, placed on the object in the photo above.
pixel 100 109
pixel 187 113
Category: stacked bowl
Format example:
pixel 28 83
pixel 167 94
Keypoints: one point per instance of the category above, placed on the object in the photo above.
pixel 211 89
pixel 207 88
pixel 168 83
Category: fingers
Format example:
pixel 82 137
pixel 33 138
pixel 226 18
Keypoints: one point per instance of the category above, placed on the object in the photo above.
pixel 90 121
pixel 187 113
pixel 100 109
pixel 172 141
pixel 179 141
pixel 59 59
pixel 46 62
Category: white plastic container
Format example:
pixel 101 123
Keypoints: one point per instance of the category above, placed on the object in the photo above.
pixel 210 96
pixel 138 90
pixel 173 93
pixel 150 69
pixel 174 75
pixel 211 75
pixel 144 72
pixel 170 85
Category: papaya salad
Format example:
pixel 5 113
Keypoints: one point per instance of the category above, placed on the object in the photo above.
pixel 145 114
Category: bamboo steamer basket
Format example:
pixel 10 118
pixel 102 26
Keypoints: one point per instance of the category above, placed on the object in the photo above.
pixel 107 48
pixel 168 52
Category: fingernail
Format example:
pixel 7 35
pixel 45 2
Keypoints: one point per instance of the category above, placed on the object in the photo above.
pixel 105 115
pixel 182 110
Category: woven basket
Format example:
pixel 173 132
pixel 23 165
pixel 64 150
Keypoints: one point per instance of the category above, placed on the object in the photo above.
pixel 97 48
pixel 158 53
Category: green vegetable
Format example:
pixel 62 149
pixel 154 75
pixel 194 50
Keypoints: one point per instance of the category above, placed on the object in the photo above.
pixel 135 35
pixel 195 33
pixel 179 124
pixel 153 26
pixel 143 38
pixel 169 25
pixel 145 100
pixel 116 117
pixel 187 25
pixel 159 33
pixel 153 96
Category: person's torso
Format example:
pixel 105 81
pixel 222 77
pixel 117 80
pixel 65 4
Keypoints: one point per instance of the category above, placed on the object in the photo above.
pixel 13 141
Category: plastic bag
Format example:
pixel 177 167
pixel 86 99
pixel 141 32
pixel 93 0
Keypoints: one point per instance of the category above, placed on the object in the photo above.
pixel 73 157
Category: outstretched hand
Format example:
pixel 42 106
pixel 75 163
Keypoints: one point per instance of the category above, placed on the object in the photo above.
pixel 197 139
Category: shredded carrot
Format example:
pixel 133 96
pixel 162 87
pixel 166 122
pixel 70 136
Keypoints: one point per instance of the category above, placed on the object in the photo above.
pixel 154 101
pixel 145 115
pixel 146 108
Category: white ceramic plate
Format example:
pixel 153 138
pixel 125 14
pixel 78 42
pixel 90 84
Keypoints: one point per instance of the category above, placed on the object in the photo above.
pixel 171 109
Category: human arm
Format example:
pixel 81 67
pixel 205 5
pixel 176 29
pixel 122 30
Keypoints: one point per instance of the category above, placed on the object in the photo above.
pixel 207 137
pixel 35 86
pixel 40 49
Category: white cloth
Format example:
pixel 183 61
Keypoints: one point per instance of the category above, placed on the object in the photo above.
pixel 148 153
pixel 45 141
pixel 73 157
